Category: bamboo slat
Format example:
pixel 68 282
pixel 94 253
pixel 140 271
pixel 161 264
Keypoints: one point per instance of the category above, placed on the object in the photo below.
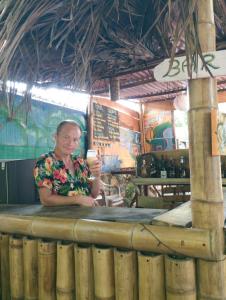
pixel 65 282
pixel 180 278
pixel 16 268
pixel 126 279
pixel 5 279
pixel 30 263
pixel 151 275
pixel 103 264
pixel 46 270
pixel 208 279
pixel 84 281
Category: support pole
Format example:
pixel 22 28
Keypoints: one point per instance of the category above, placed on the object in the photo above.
pixel 206 186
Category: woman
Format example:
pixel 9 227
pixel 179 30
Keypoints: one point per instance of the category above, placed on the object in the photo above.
pixel 62 178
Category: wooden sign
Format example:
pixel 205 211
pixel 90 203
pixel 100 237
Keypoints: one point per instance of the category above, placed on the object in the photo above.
pixel 218 128
pixel 105 123
pixel 214 61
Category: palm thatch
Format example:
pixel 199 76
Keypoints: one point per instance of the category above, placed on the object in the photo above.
pixel 73 43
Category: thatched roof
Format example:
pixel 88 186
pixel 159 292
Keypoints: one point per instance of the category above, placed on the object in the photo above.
pixel 75 43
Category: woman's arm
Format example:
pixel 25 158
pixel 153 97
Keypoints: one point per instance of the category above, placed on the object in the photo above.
pixel 47 198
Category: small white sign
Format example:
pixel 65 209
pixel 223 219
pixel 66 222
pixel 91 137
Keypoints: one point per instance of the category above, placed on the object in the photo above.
pixel 215 61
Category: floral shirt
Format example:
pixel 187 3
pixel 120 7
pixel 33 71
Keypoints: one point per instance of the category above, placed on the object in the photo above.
pixel 52 173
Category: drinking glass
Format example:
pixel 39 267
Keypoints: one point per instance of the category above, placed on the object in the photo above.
pixel 91 157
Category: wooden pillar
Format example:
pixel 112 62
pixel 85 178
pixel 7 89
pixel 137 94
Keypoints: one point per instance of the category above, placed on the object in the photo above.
pixel 206 186
pixel 114 88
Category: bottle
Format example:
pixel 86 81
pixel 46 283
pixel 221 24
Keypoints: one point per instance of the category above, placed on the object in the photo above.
pixel 144 169
pixel 163 172
pixel 182 168
pixel 153 170
pixel 171 171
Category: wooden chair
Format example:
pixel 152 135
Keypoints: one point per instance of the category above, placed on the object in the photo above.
pixel 112 195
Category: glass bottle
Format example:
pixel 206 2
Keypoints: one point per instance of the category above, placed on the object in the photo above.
pixel 182 168
pixel 171 171
pixel 153 169
pixel 144 169
pixel 163 172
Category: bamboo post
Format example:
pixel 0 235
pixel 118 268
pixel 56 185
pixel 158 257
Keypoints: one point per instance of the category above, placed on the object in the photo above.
pixel 151 276
pixel 180 278
pixel 16 268
pixel 46 270
pixel 125 262
pixel 114 85
pixel 65 271
pixel 217 286
pixel 206 182
pixel 30 263
pixel 142 129
pixel 84 281
pixel 5 279
pixel 103 264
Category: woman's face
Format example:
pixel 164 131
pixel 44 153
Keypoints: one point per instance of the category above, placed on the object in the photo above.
pixel 67 139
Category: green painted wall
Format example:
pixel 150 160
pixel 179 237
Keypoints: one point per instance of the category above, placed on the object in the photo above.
pixel 29 135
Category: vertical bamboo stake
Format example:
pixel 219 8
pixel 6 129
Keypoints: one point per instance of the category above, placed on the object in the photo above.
pixel 84 282
pixel 46 270
pixel 103 263
pixel 125 275
pixel 180 278
pixel 206 183
pixel 5 279
pixel 16 268
pixel 208 271
pixel 151 276
pixel 30 257
pixel 65 271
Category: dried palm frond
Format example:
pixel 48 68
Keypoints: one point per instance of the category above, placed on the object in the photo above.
pixel 73 43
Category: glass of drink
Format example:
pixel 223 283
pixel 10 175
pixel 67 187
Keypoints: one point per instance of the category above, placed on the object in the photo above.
pixel 91 157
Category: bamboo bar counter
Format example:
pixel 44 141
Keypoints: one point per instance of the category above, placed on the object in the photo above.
pixel 100 253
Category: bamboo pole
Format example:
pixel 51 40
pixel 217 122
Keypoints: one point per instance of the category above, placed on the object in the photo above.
pixel 5 279
pixel 151 276
pixel 208 271
pixel 30 263
pixel 84 281
pixel 16 268
pixel 206 182
pixel 103 264
pixel 188 242
pixel 180 278
pixel 125 262
pixel 46 270
pixel 65 271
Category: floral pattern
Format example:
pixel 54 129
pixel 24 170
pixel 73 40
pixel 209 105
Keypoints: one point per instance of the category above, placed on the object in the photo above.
pixel 52 173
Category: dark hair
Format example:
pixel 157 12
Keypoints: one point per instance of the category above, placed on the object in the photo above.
pixel 71 122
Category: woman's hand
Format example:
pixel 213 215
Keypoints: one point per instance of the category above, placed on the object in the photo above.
pixel 95 168
pixel 85 201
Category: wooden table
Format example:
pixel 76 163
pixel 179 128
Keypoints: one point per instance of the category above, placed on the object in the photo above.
pixel 167 191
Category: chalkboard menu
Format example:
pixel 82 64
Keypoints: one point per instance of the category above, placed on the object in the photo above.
pixel 105 123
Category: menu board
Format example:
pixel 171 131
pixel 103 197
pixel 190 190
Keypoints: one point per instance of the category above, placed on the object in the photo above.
pixel 105 123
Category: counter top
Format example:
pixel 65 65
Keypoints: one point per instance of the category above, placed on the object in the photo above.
pixel 116 214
